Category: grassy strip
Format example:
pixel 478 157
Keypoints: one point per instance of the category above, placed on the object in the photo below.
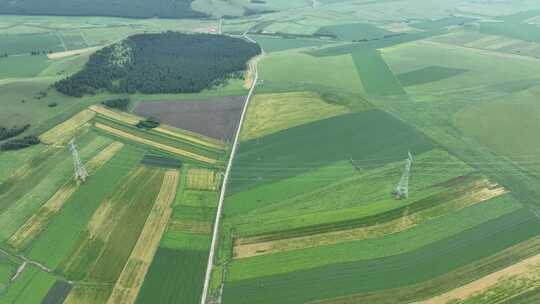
pixel 104 248
pixel 58 174
pixel 62 233
pixel 203 179
pixel 411 216
pixel 447 281
pixel 338 203
pixel 298 150
pixel 131 279
pixel 160 146
pixel 88 294
pixel 37 223
pixel 30 288
pixel 184 135
pixel 67 128
pixel 501 285
pixel 342 279
pixel 393 244
pixel 160 138
pixel 458 188
pixel 377 78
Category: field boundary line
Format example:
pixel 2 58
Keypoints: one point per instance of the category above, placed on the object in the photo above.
pixel 215 234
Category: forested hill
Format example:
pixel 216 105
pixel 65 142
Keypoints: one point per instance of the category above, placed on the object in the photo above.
pixel 116 8
pixel 169 62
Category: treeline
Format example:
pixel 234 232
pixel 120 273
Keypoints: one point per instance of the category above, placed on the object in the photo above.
pixel 119 103
pixel 6 133
pixel 19 143
pixel 117 8
pixel 168 62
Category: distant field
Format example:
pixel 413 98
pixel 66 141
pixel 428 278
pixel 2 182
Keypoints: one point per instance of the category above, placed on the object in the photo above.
pixel 281 72
pixel 354 31
pixel 22 66
pixel 276 44
pixel 376 76
pixel 515 127
pixel 26 43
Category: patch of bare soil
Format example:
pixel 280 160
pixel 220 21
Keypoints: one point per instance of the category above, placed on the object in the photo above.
pixel 216 117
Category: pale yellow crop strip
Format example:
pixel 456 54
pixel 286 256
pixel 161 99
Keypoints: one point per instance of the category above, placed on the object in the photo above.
pixel 244 249
pixel 37 222
pixel 131 279
pixel 120 116
pixel 154 144
pixel 193 139
pixel 133 120
pixel 527 268
pixel 68 127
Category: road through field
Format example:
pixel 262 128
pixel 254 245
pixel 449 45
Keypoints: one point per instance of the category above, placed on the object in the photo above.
pixel 215 235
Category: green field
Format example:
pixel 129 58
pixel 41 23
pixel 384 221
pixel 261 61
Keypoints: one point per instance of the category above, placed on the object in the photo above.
pixel 26 43
pixel 46 174
pixel 30 288
pixel 428 74
pixel 272 44
pixel 400 270
pixel 321 143
pixel 56 241
pixel 169 267
pixel 354 31
pixel 376 76
pixel 345 90
pixel 22 66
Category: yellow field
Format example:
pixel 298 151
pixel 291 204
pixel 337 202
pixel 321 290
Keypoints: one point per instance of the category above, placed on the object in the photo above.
pixel 202 179
pixel 64 130
pixel 37 222
pixel 154 144
pixel 481 191
pixel 87 294
pixel 131 279
pixel 270 113
pixel 195 138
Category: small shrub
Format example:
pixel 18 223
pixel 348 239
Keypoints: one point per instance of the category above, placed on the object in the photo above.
pixel 120 103
pixel 148 124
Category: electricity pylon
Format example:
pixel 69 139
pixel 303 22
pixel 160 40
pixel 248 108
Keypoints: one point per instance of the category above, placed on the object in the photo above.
pixel 402 189
pixel 80 172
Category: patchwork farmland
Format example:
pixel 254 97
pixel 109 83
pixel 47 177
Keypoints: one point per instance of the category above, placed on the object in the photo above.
pixel 388 153
pixel 69 241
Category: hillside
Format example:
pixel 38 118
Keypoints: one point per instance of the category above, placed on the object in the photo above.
pixel 161 63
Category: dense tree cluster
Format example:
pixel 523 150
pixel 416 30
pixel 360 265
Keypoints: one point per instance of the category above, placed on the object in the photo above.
pixel 19 143
pixel 117 8
pixel 168 62
pixel 119 103
pixel 148 123
pixel 6 133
